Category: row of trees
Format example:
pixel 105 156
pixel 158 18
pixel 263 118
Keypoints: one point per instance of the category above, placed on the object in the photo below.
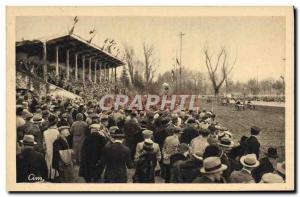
pixel 138 75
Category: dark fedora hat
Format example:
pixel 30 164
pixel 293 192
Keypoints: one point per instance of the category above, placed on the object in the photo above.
pixel 255 130
pixel 272 152
pixel 52 119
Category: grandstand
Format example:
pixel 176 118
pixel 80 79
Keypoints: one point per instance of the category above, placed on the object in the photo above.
pixel 67 61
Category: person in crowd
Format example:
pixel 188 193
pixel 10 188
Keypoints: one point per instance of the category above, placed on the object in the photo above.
pixel 92 164
pixel 79 130
pixel 38 121
pixel 267 164
pixel 117 158
pixel 62 156
pixel 199 143
pixel 147 134
pixel 19 119
pixel 252 144
pixel 244 175
pixel 226 144
pixel 176 159
pixel 236 153
pixel 190 132
pixel 145 163
pixel 50 135
pixel 189 169
pixel 64 120
pixel 31 165
pixel 211 171
pixel 131 130
pixel 169 148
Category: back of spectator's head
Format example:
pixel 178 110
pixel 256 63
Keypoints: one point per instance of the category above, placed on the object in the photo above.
pixel 212 151
pixel 79 116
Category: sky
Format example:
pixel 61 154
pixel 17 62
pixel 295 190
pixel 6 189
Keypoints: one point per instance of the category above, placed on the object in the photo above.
pixel 257 43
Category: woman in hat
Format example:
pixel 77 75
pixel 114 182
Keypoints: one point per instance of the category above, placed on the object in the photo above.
pixel 211 171
pixel 50 135
pixel 145 164
pixel 62 156
pixel 244 175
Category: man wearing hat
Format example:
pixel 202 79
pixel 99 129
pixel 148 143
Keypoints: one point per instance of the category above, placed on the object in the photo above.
pixel 244 175
pixel 190 132
pixel 64 120
pixel 50 135
pixel 31 165
pixel 92 164
pixel 212 171
pixel 252 144
pixel 147 134
pixel 146 163
pixel 27 116
pixel 117 159
pixel 267 164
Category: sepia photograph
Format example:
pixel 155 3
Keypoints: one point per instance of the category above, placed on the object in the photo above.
pixel 150 99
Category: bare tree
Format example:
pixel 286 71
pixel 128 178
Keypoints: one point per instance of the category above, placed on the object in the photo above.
pixel 218 76
pixel 130 61
pixel 149 64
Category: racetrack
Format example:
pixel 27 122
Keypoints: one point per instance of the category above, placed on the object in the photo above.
pixel 270 119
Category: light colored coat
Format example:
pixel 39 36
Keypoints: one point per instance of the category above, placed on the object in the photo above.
pixel 198 145
pixel 50 135
pixel 169 148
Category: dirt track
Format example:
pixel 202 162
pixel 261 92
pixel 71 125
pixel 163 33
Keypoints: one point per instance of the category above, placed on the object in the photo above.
pixel 270 119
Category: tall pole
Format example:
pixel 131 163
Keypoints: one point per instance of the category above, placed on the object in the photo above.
pixel 45 72
pixel 180 60
pixel 76 67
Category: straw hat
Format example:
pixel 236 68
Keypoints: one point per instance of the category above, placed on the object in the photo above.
pixel 212 165
pixel 249 160
pixel 271 178
pixel 226 142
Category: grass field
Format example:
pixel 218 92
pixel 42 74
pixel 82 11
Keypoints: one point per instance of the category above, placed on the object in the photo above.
pixel 271 120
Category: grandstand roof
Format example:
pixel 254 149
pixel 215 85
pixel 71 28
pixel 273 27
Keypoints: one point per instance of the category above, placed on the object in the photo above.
pixel 74 43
